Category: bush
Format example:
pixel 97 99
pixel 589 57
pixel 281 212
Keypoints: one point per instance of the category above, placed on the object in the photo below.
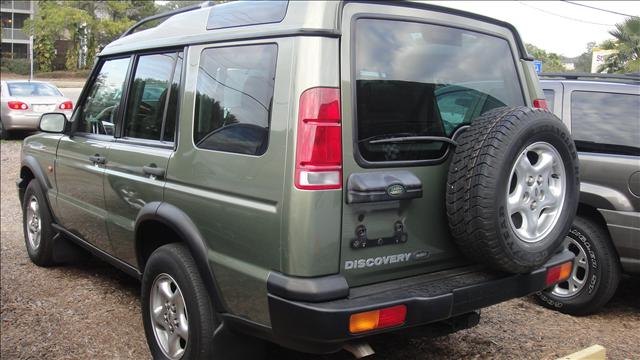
pixel 16 66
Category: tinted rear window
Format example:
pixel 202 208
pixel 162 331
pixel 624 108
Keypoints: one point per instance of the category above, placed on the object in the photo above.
pixel 243 13
pixel 416 79
pixel 32 89
pixel 233 98
pixel 605 121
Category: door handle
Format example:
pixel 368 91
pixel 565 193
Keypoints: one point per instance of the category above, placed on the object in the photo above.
pixel 153 170
pixel 97 159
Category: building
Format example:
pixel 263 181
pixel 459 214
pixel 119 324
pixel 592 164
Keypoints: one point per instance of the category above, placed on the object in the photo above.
pixel 15 41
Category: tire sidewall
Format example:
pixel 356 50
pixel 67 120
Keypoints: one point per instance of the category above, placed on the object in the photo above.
pixel 593 280
pixel 163 261
pixel 553 132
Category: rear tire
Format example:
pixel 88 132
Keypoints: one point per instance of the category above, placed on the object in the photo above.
pixel 184 322
pixel 512 189
pixel 4 133
pixel 596 276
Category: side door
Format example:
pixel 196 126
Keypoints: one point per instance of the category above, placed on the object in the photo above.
pixel 82 155
pixel 139 156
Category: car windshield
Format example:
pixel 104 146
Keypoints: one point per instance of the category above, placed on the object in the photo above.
pixel 32 89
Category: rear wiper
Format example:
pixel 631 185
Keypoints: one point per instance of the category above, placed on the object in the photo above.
pixel 399 139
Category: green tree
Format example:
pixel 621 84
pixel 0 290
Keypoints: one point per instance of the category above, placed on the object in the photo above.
pixel 583 62
pixel 551 62
pixel 627 45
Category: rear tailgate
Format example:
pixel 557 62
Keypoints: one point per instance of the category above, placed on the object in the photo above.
pixel 406 80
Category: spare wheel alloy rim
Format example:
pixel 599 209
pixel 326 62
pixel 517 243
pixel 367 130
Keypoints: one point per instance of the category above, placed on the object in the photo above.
pixel 169 318
pixel 535 192
pixel 579 274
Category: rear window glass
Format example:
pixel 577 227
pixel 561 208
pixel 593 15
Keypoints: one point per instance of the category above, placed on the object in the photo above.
pixel 606 121
pixel 416 79
pixel 233 98
pixel 549 96
pixel 32 89
pixel 243 13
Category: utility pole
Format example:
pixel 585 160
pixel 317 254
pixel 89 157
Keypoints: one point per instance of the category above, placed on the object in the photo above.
pixel 31 57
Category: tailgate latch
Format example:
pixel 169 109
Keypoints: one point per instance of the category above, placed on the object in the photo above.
pixel 362 241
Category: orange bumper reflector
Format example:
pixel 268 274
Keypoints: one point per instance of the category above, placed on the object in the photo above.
pixel 377 319
pixel 559 273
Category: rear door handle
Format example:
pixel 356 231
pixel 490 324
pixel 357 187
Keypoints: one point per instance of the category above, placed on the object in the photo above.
pixel 97 159
pixel 153 170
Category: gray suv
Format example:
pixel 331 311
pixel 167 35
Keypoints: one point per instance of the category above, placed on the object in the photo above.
pixel 603 113
pixel 308 173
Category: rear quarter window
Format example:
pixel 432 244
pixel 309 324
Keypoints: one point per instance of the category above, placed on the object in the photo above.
pixel 234 92
pixel 549 95
pixel 607 122
pixel 415 79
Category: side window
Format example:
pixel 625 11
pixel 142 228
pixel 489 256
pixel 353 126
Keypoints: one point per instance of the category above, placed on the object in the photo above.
pixel 149 96
pixel 233 98
pixel 100 109
pixel 415 79
pixel 606 121
pixel 549 95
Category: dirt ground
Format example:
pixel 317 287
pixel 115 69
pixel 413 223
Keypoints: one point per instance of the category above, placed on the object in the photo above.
pixel 92 311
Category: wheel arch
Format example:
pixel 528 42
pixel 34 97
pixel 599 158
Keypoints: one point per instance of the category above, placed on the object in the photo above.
pixel 171 218
pixel 30 169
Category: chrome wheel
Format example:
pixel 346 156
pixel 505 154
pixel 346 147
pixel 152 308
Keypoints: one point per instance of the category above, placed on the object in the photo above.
pixel 580 272
pixel 535 192
pixel 169 317
pixel 34 223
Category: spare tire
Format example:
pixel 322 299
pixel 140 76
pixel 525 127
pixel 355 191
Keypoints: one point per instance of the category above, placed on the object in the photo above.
pixel 512 188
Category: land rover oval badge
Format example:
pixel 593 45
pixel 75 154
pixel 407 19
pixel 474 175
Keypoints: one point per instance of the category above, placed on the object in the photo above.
pixel 396 190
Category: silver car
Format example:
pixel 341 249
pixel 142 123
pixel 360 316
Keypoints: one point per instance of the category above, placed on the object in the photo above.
pixel 24 101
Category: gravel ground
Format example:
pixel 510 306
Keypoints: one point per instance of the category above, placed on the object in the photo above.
pixel 92 311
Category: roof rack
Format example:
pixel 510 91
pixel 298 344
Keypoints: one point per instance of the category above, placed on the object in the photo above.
pixel 166 14
pixel 576 76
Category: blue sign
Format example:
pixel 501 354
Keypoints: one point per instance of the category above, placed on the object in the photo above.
pixel 538 66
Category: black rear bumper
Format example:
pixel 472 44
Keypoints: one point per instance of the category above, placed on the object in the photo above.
pixel 322 327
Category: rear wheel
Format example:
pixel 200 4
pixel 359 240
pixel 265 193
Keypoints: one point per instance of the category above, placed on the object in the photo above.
pixel 512 189
pixel 595 276
pixel 4 133
pixel 178 316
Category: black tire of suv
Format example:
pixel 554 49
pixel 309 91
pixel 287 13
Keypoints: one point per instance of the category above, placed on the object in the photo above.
pixel 479 174
pixel 176 260
pixel 603 271
pixel 42 255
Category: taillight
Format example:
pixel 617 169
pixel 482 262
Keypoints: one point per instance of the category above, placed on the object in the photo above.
pixel 17 105
pixel 540 104
pixel 377 319
pixel 67 105
pixel 319 143
pixel 559 273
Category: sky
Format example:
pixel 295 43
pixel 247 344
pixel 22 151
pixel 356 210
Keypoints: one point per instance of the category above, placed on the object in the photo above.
pixel 555 26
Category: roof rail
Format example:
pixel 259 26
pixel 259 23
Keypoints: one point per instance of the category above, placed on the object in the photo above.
pixel 166 14
pixel 575 76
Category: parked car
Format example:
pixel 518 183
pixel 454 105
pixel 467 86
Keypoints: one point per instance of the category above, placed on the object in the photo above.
pixel 603 113
pixel 285 171
pixel 23 102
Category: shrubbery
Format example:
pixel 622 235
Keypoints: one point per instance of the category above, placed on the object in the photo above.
pixel 17 66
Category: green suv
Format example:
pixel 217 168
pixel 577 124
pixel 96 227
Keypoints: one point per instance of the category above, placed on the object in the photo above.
pixel 307 173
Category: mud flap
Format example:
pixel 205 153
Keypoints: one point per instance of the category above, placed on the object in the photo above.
pixel 65 251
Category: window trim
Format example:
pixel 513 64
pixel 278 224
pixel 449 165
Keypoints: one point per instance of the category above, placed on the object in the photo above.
pixel 120 125
pixel 360 160
pixel 193 119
